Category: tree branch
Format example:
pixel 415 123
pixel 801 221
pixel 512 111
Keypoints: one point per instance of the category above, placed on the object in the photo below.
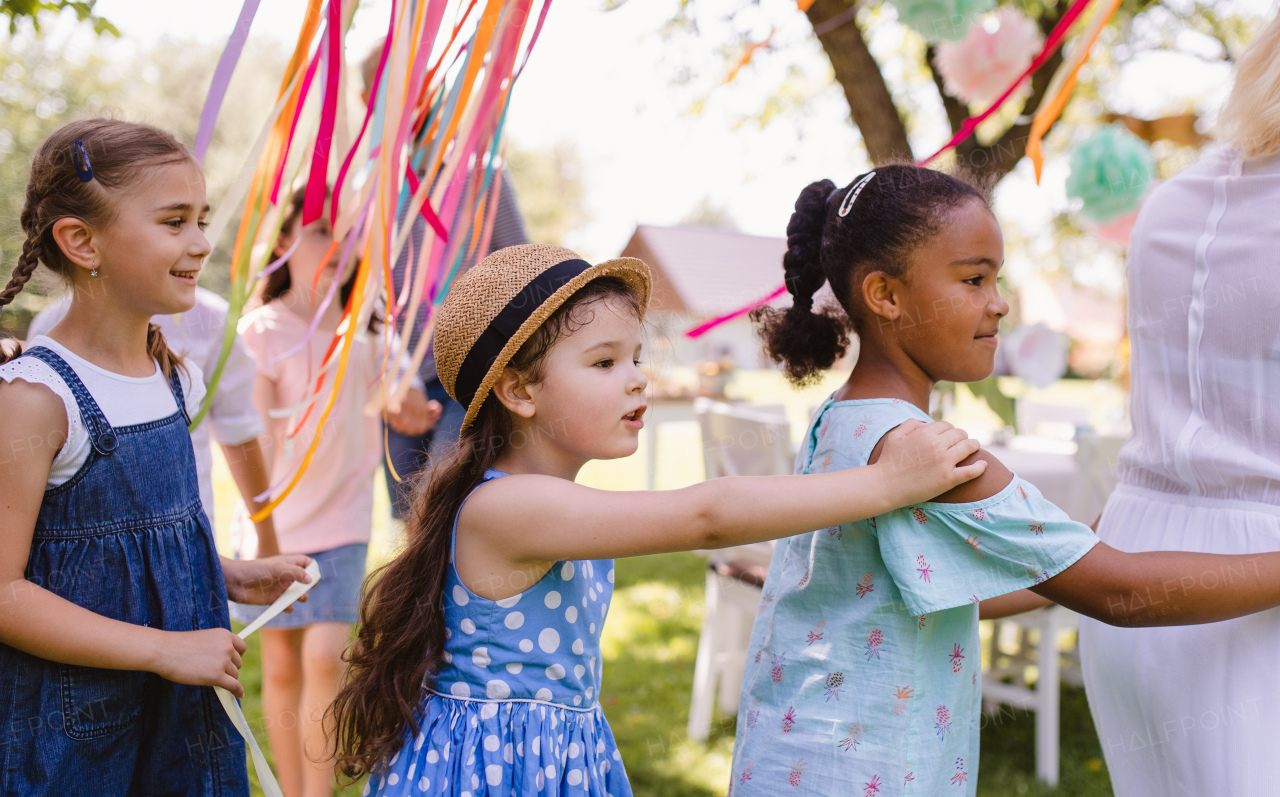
pixel 990 162
pixel 870 104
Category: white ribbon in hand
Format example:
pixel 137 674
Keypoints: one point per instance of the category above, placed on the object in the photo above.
pixel 266 779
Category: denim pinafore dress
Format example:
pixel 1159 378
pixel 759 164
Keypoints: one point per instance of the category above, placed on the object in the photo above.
pixel 126 538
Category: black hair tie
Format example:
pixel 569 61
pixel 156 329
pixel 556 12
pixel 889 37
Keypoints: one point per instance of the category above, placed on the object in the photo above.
pixel 801 292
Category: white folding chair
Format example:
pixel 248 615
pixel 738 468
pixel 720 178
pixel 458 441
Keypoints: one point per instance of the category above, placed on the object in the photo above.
pixel 736 441
pixel 1041 631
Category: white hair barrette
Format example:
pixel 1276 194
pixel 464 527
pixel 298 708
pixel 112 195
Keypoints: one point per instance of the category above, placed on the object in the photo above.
pixel 852 196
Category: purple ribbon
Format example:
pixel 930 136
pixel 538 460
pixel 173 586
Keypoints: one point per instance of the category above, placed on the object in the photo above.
pixel 222 76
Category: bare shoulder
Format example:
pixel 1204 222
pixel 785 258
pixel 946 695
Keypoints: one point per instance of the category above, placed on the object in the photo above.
pixel 35 426
pixel 28 406
pixel 994 479
pixel 498 501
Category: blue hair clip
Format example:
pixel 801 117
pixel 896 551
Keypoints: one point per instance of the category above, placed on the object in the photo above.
pixel 77 156
pixel 852 196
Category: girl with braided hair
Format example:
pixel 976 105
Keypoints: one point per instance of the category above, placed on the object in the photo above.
pixel 113 621
pixel 912 256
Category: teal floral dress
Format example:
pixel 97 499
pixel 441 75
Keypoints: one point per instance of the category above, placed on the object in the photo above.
pixel 863 674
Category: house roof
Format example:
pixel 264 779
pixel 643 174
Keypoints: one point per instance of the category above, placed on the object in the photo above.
pixel 706 271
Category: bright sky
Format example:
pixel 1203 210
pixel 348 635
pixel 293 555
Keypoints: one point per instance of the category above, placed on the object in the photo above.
pixel 603 83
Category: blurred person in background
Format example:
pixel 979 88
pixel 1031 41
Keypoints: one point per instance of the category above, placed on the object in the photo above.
pixel 232 420
pixel 1191 710
pixel 411 455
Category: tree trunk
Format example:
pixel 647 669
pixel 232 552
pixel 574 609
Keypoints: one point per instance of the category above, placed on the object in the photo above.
pixel 870 103
pixel 988 163
pixel 873 111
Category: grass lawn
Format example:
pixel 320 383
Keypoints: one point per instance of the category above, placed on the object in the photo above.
pixel 651 639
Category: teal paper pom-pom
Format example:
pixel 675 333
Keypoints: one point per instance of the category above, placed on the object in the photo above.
pixel 941 19
pixel 1111 171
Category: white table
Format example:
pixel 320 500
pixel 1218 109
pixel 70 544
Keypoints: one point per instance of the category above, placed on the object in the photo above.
pixel 661 410
pixel 1053 469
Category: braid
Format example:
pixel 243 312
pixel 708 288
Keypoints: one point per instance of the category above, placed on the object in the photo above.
pixel 27 262
pixel 158 349
pixel 803 342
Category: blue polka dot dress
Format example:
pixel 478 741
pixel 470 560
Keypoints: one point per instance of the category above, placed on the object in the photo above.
pixel 515 710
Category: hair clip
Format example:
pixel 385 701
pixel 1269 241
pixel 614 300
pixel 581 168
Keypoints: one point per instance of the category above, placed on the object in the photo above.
pixel 77 155
pixel 852 196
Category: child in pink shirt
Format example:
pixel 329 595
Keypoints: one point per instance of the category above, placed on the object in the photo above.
pixel 329 514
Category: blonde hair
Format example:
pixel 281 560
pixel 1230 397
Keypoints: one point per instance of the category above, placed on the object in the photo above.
pixel 1250 118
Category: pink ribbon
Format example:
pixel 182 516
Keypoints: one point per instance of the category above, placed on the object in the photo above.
pixel 707 326
pixel 426 211
pixel 368 114
pixel 293 126
pixel 317 184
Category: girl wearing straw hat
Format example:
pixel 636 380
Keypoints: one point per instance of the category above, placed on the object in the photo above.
pixel 477 666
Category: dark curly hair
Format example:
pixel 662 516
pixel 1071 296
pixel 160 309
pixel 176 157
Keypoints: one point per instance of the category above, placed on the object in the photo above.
pixel 897 210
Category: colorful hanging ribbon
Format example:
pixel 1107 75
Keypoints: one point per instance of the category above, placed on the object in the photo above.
pixel 433 134
pixel 222 77
pixel 1051 45
pixel 1063 85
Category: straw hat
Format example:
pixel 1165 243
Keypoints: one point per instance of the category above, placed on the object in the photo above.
pixel 493 309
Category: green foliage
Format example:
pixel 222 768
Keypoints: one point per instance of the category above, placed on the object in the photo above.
pixel 549 182
pixel 46 82
pixel 941 19
pixel 42 85
pixel 18 10
pixel 1001 404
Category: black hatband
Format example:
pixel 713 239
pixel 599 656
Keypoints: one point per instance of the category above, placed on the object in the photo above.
pixel 504 326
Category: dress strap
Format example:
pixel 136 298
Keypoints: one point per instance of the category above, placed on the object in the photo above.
pixel 101 435
pixel 489 475
pixel 175 385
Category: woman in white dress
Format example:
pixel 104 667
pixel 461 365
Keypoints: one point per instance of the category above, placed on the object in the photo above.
pixel 1195 710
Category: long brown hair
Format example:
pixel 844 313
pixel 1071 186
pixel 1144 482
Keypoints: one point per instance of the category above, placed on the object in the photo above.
pixel 400 643
pixel 119 154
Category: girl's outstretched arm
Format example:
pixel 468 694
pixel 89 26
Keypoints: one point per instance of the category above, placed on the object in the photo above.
pixel 524 520
pixel 38 622
pixel 1146 589
pixel 1024 600
pixel 1165 587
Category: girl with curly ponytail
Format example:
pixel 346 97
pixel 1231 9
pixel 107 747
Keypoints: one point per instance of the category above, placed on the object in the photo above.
pixel 912 257
pixel 115 623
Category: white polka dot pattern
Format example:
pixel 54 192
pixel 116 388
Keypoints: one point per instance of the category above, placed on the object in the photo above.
pixel 516 700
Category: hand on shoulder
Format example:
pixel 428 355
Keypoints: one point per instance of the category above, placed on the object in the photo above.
pixel 925 452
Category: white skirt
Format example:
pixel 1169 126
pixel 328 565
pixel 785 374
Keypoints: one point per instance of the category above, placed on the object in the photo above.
pixel 1191 711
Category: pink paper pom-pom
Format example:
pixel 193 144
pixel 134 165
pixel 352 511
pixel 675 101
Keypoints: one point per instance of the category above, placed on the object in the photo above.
pixel 1118 230
pixel 978 68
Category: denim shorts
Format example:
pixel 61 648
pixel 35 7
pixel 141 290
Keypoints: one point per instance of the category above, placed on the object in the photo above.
pixel 336 599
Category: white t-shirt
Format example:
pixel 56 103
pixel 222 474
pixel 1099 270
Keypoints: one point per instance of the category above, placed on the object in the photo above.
pixel 124 400
pixel 196 335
